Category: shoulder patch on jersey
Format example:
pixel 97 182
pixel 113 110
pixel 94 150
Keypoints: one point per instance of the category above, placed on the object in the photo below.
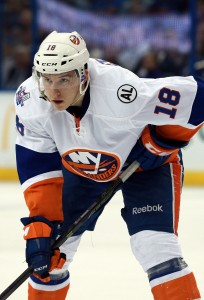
pixel 22 96
pixel 126 93
pixel 96 165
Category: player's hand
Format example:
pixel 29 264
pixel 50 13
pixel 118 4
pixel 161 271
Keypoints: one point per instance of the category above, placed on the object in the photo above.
pixel 151 152
pixel 39 234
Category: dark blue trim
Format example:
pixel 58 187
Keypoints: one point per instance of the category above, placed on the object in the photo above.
pixel 166 268
pixel 52 282
pixel 31 163
pixel 197 113
pixel 80 111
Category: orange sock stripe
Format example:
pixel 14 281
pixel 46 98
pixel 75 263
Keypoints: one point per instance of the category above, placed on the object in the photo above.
pixel 34 294
pixel 182 288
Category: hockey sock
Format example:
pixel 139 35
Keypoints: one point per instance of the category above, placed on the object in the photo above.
pixel 172 280
pixel 54 290
pixel 181 288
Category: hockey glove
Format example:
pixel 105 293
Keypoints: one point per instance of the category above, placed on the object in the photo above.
pixel 151 151
pixel 39 234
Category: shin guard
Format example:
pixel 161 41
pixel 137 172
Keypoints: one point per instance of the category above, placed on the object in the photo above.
pixel 182 288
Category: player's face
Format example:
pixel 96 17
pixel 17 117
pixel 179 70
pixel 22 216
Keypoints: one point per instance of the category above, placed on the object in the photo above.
pixel 61 89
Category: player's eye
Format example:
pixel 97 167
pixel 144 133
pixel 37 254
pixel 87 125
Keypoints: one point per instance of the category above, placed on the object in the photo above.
pixel 65 80
pixel 47 80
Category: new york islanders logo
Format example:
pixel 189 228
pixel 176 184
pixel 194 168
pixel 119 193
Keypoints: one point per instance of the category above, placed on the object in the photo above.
pixel 96 165
pixel 74 39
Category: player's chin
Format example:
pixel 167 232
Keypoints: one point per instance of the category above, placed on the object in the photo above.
pixel 59 105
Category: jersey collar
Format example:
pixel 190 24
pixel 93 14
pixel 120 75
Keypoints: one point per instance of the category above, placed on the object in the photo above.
pixel 79 112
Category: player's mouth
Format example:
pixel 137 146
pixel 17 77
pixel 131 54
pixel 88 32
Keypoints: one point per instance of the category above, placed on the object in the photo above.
pixel 57 101
pixel 58 104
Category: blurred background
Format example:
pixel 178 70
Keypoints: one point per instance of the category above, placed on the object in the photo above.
pixel 152 38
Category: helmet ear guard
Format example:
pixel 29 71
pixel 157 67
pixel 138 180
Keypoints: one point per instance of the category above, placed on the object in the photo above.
pixel 38 79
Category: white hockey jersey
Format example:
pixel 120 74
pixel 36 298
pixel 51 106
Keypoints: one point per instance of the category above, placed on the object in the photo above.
pixel 116 108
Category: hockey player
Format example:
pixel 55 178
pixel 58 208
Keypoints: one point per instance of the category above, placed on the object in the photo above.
pixel 82 121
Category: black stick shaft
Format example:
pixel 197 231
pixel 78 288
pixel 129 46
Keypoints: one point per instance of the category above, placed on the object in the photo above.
pixel 107 195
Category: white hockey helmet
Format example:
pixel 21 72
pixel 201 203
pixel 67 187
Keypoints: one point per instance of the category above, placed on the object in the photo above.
pixel 61 52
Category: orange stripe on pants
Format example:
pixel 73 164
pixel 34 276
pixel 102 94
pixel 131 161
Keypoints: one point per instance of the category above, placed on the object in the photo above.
pixel 34 294
pixel 176 170
pixel 182 288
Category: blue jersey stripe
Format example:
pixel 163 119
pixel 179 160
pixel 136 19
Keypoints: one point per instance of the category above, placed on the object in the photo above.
pixel 31 163
pixel 197 113
pixel 59 280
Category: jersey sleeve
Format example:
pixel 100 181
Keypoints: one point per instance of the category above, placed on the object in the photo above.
pixel 175 100
pixel 172 101
pixel 197 111
pixel 174 104
pixel 39 169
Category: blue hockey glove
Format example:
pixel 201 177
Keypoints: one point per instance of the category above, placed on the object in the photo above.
pixel 151 152
pixel 39 234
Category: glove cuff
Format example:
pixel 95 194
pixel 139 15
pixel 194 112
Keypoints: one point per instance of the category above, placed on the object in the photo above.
pixel 28 220
pixel 152 146
pixel 37 230
pixel 36 227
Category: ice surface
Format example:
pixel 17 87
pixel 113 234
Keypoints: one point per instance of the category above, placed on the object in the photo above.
pixel 104 267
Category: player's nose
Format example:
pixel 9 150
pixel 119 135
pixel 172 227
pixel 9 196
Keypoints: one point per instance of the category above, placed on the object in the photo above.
pixel 55 93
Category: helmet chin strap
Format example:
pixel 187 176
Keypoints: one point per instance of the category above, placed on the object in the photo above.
pixel 82 92
pixel 76 100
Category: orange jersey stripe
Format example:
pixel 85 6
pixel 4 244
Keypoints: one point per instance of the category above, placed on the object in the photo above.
pixel 176 132
pixel 44 199
pixel 103 164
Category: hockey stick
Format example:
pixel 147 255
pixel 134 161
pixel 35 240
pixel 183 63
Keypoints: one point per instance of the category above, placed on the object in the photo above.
pixel 106 195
